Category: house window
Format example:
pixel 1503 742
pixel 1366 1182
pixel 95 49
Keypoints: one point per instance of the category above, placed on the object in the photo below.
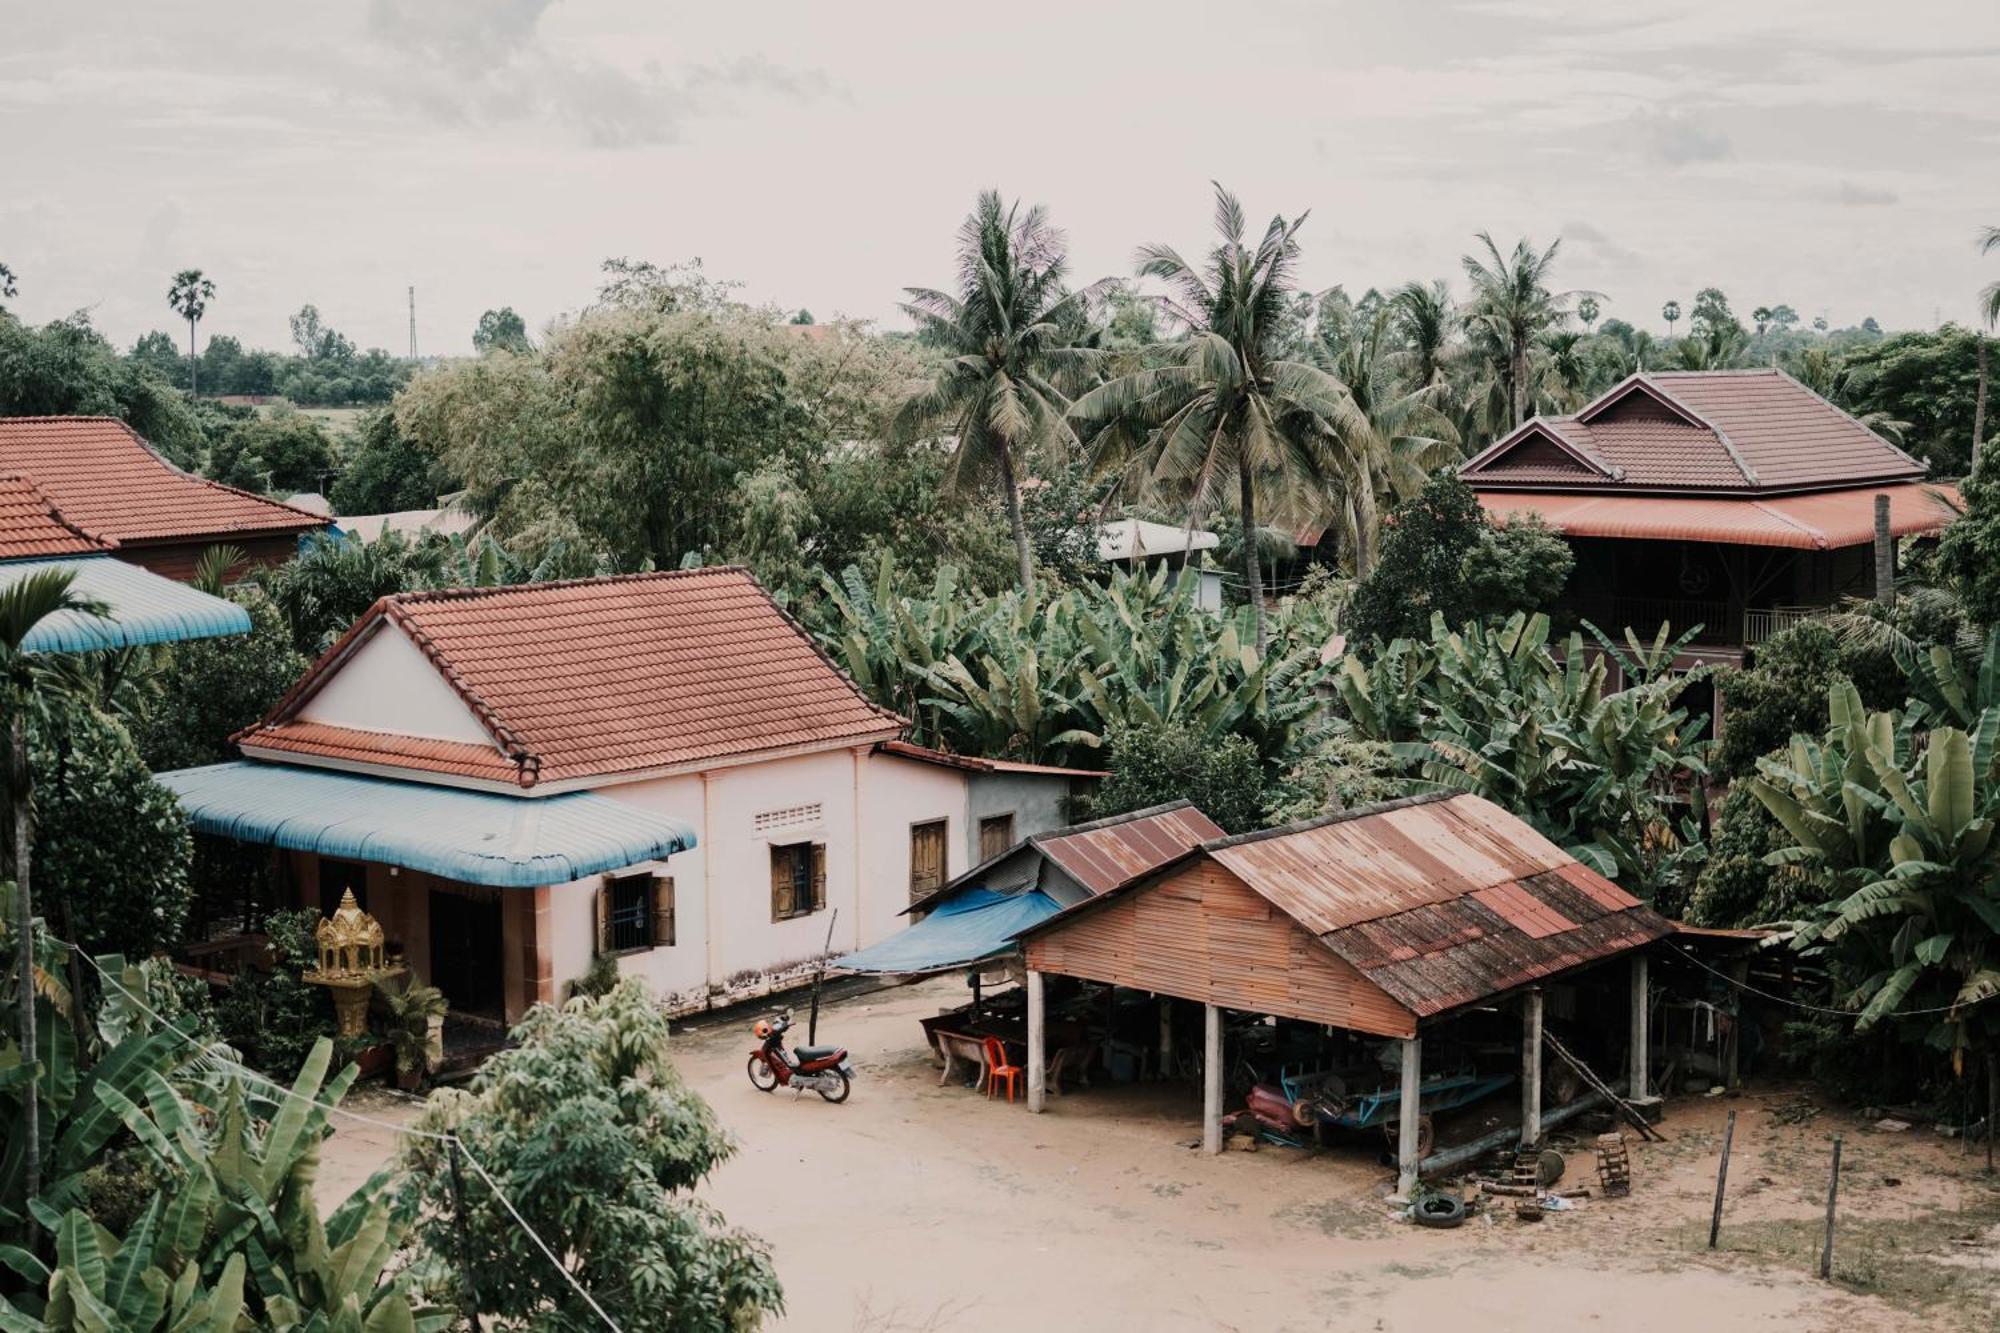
pixel 635 912
pixel 927 857
pixel 996 835
pixel 798 879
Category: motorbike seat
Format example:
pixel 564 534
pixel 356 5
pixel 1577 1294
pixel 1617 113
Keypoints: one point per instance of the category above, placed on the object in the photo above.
pixel 807 1054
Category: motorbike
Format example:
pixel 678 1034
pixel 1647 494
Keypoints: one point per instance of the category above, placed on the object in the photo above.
pixel 823 1069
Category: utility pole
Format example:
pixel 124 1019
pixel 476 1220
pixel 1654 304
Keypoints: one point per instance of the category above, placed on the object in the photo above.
pixel 413 323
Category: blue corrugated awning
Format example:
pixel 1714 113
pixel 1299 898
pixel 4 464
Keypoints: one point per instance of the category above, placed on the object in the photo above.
pixel 142 607
pixel 964 928
pixel 508 842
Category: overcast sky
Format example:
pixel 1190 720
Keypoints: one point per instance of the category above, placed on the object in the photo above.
pixel 1837 155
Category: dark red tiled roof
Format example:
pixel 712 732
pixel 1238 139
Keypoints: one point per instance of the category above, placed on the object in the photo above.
pixel 32 528
pixel 1735 431
pixel 606 676
pixel 322 740
pixel 107 482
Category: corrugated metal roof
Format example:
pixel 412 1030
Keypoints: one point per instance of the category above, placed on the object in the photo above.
pixel 473 837
pixel 1823 521
pixel 142 608
pixel 1441 901
pixel 1104 855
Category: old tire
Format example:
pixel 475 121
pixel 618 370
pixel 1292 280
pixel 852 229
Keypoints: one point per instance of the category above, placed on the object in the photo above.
pixel 1442 1211
pixel 1426 1136
pixel 762 1076
pixel 838 1093
pixel 1549 1167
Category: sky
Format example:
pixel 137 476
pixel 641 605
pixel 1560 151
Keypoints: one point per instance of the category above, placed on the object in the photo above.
pixel 1839 156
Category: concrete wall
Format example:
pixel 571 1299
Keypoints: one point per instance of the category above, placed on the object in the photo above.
pixel 389 685
pixel 1038 802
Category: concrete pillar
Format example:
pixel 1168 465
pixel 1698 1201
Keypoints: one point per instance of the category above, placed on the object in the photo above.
pixel 1639 1090
pixel 1211 1081
pixel 1885 554
pixel 1531 1069
pixel 1408 1110
pixel 1038 1043
pixel 1166 1036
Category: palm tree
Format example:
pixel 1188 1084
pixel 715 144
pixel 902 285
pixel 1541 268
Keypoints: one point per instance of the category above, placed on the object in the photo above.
pixel 189 296
pixel 1671 312
pixel 1010 335
pixel 1512 302
pixel 1424 317
pixel 1989 312
pixel 1586 311
pixel 1223 402
pixel 1566 369
pixel 24 604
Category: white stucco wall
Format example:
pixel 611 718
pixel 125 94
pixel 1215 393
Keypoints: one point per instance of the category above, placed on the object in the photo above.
pixel 389 685
pixel 899 793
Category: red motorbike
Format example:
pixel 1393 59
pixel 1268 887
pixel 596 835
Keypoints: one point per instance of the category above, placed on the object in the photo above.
pixel 824 1069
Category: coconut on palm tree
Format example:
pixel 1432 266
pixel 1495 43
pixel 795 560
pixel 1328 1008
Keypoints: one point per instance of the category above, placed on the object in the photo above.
pixel 1512 303
pixel 1010 336
pixel 1222 404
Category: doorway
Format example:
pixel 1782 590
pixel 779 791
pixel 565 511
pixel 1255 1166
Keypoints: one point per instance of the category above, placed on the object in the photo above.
pixel 467 961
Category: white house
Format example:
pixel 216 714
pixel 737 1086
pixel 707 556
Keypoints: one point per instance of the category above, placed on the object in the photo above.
pixel 1138 542
pixel 661 767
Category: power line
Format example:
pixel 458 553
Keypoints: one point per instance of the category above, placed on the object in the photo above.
pixel 1822 1009
pixel 208 1056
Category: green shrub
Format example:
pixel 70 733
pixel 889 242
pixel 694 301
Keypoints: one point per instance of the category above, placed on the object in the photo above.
pixel 1154 765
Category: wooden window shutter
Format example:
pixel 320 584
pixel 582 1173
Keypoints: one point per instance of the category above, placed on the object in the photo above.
pixel 781 883
pixel 663 909
pixel 819 876
pixel 604 915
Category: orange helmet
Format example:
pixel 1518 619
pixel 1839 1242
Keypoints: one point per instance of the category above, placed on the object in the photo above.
pixel 763 1029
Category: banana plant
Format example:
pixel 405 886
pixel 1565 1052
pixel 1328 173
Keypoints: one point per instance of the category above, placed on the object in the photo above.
pixel 149 1281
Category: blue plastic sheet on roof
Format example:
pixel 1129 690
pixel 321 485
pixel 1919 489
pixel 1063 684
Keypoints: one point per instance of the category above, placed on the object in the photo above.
pixel 141 607
pixel 975 924
pixel 507 842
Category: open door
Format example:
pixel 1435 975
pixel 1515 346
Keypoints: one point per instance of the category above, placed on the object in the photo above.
pixel 467 962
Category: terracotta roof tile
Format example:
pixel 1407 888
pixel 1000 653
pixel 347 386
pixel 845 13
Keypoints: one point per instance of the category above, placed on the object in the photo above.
pixel 322 740
pixel 31 527
pixel 1815 521
pixel 107 482
pixel 1742 431
pixel 619 675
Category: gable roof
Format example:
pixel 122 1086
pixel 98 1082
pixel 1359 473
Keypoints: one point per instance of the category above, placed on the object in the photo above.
pixel 591 678
pixel 32 528
pixel 1697 431
pixel 1440 900
pixel 106 481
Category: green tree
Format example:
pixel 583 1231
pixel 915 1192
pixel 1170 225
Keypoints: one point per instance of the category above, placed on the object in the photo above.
pixel 317 340
pixel 1671 312
pixel 501 331
pixel 66 368
pixel 1712 314
pixel 206 690
pixel 10 286
pixel 1512 304
pixel 1425 317
pixel 1586 312
pixel 384 471
pixel 189 296
pixel 327 586
pixel 283 454
pixel 158 353
pixel 1226 406
pixel 1152 765
pixel 1008 337
pixel 1926 380
pixel 586 1126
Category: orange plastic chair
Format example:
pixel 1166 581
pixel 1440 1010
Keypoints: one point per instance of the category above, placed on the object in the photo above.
pixel 997 1067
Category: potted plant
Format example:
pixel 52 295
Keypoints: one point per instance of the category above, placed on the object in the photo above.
pixel 414 1024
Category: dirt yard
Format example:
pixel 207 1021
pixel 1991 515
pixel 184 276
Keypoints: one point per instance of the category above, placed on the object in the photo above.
pixel 920 1209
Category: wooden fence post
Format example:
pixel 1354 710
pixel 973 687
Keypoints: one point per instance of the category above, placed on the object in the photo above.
pixel 1721 1179
pixel 1832 1195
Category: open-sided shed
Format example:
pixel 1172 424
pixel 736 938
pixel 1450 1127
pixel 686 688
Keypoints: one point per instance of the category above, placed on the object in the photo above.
pixel 1378 920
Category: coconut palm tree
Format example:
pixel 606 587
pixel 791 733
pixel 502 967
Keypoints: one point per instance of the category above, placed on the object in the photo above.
pixel 1010 335
pixel 189 296
pixel 1424 319
pixel 24 604
pixel 1989 311
pixel 1511 300
pixel 1222 403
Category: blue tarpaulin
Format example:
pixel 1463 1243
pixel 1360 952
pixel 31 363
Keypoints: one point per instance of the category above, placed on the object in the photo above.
pixel 507 842
pixel 966 927
pixel 140 607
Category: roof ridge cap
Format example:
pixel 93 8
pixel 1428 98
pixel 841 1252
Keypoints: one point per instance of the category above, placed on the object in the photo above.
pixel 1112 821
pixel 471 592
pixel 1336 817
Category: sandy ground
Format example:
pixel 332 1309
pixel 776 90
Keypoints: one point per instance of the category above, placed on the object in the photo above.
pixel 919 1208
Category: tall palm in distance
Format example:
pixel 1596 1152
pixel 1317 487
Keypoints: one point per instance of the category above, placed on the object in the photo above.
pixel 1222 404
pixel 1512 303
pixel 1011 335
pixel 189 296
pixel 1989 314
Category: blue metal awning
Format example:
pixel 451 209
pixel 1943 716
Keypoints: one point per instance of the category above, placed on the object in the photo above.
pixel 474 837
pixel 141 608
pixel 964 928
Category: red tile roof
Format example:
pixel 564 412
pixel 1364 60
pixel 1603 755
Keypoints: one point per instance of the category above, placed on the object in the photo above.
pixel 1741 431
pixel 1815 521
pixel 322 740
pixel 107 482
pixel 32 528
pixel 597 677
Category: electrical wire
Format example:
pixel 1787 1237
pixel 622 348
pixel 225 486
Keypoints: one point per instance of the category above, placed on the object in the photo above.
pixel 1822 1009
pixel 452 1141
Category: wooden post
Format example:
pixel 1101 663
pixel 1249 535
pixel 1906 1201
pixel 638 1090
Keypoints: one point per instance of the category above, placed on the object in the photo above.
pixel 1885 554
pixel 1408 1110
pixel 1640 1013
pixel 1992 1105
pixel 1038 1043
pixel 1166 1036
pixel 1721 1179
pixel 1531 1068
pixel 1739 972
pixel 1832 1195
pixel 1211 1080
